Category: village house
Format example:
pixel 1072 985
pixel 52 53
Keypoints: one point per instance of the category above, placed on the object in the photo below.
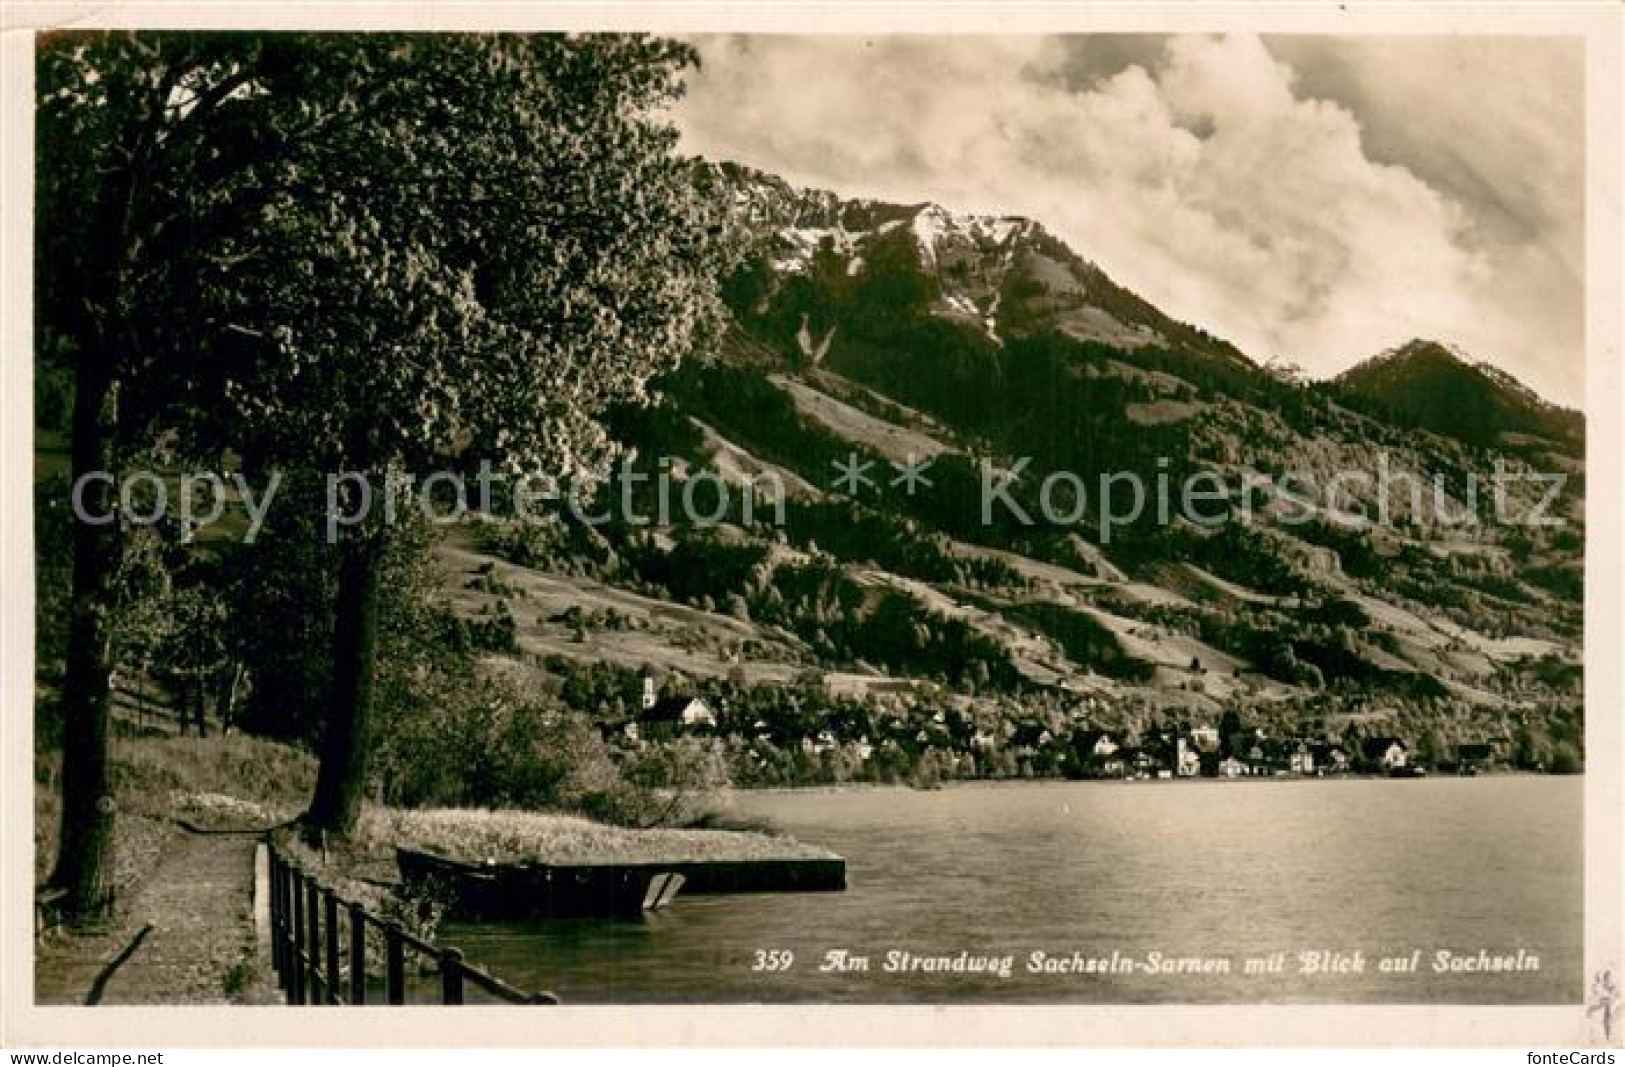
pixel 1329 758
pixel 1474 757
pixel 1205 738
pixel 1187 761
pixel 1145 764
pixel 1385 753
pixel 667 716
pixel 817 746
pixel 1030 735
pixel 1095 754
pixel 1097 743
pixel 674 715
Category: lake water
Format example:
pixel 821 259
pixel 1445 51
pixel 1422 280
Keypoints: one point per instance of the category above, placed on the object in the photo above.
pixel 1203 873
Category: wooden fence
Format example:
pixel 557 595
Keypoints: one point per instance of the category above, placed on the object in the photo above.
pixel 319 948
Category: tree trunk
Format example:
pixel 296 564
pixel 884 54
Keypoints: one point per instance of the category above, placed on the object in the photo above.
pixel 231 683
pixel 142 708
pixel 341 781
pixel 84 863
pixel 200 703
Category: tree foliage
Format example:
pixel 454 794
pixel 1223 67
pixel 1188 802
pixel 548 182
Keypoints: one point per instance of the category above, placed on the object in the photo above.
pixel 367 252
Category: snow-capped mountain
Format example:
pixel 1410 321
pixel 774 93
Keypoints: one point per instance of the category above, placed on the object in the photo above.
pixel 1003 274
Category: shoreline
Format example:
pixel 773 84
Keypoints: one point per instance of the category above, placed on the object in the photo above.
pixel 959 783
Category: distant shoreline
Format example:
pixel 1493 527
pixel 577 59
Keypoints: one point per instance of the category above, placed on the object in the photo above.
pixel 961 783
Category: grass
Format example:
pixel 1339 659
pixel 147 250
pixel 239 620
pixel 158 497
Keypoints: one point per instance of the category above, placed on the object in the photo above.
pixel 229 780
pixel 515 836
pixel 240 782
pixel 895 442
pixel 236 981
pixel 362 868
pixel 243 783
pixel 232 782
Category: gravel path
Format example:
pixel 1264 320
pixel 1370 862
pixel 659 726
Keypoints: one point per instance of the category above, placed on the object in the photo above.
pixel 200 950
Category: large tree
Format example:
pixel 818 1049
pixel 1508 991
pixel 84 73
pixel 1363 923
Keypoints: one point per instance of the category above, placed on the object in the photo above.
pixel 473 272
pixel 123 122
pixel 350 253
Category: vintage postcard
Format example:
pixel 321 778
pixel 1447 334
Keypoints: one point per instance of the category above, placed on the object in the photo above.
pixel 812 524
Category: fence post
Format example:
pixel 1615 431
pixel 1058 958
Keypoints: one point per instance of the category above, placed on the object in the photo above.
pixel 277 967
pixel 358 954
pixel 451 976
pixel 296 988
pixel 290 921
pixel 395 956
pixel 330 919
pixel 284 935
pixel 318 989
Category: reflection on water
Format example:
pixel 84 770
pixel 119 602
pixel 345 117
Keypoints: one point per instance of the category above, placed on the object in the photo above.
pixel 1202 873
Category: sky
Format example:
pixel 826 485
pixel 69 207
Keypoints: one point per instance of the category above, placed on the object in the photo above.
pixel 1312 199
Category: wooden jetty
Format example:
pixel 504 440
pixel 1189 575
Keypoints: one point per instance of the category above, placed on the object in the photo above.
pixel 604 890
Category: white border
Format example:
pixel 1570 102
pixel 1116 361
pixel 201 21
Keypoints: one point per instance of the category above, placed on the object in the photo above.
pixel 23 1023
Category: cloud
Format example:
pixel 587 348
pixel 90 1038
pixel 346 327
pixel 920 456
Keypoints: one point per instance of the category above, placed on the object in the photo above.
pixel 1497 124
pixel 1293 197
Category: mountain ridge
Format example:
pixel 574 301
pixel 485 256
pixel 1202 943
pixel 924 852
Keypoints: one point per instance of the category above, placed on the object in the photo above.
pixel 1437 386
pixel 865 338
pixel 1007 272
pixel 801 217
